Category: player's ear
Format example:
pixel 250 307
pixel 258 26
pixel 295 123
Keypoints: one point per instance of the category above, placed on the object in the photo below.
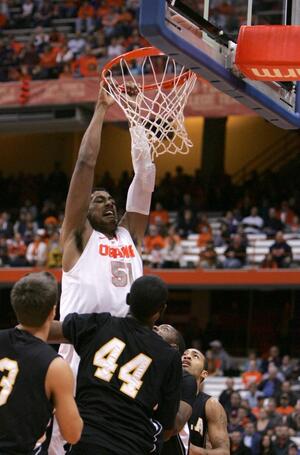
pixel 128 299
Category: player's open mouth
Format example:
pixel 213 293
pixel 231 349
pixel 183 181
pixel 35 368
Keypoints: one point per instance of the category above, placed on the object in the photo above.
pixel 186 363
pixel 109 213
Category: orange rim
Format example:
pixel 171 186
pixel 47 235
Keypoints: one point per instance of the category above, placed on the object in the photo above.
pixel 144 52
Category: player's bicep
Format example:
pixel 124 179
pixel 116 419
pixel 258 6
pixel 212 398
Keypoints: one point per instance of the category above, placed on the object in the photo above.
pixel 78 200
pixel 217 425
pixel 60 386
pixel 183 415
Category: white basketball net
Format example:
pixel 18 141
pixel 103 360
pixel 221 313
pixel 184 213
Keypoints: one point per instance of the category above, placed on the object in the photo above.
pixel 159 112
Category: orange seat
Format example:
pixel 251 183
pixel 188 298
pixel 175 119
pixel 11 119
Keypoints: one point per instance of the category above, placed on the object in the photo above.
pixel 269 52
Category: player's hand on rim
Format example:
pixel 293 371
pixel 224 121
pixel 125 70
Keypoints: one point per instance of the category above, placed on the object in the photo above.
pixel 104 98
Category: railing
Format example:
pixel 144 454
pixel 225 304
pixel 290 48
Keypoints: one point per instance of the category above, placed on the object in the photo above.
pixel 272 157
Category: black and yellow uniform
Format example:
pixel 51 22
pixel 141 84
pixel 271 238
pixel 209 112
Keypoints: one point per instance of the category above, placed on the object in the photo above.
pixel 24 407
pixel 176 445
pixel 125 370
pixel 198 421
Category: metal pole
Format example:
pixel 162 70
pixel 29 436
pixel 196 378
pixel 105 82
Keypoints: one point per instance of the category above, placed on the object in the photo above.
pixel 249 12
pixel 206 9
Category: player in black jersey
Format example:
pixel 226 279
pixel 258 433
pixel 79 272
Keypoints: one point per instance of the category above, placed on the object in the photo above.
pixel 33 378
pixel 179 443
pixel 208 417
pixel 125 370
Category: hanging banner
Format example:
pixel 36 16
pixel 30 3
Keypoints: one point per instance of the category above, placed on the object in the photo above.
pixel 205 100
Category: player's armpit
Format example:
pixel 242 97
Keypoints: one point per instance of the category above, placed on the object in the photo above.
pixel 56 335
pixel 59 387
pixel 217 429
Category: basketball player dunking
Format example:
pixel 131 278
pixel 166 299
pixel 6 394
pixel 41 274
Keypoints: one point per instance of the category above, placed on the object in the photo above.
pixel 100 258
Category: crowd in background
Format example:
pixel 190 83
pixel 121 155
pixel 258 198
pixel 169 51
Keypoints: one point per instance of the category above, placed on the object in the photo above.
pixel 30 219
pixel 263 409
pixel 99 30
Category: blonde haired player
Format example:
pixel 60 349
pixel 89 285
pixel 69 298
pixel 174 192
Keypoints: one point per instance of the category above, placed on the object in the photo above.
pixel 100 258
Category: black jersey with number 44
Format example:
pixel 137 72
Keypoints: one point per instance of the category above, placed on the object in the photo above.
pixel 24 407
pixel 125 370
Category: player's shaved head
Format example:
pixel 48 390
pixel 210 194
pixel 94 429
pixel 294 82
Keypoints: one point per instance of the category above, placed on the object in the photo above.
pixel 171 336
pixel 148 295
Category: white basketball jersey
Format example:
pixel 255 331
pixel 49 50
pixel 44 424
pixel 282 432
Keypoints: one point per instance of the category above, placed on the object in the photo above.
pixel 100 280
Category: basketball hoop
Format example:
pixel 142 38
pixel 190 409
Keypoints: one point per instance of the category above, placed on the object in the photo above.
pixel 161 87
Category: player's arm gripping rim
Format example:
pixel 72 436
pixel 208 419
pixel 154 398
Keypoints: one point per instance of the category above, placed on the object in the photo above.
pixel 78 199
pixel 217 430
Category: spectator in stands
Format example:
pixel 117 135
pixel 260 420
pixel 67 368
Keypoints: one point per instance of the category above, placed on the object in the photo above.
pixel 259 405
pixel 281 251
pixel 252 374
pixel 85 17
pixel 225 395
pixel 231 222
pixel 286 366
pixel 234 423
pixel 204 236
pixel 4 13
pixel 159 216
pixel 293 449
pixel 285 213
pixel 252 438
pixel 26 17
pixel 282 441
pixel 48 62
pixel 4 259
pixel 271 385
pixel 286 390
pixel 272 358
pixel 272 224
pixel 235 254
pixel 295 225
pixel 221 357
pixel 17 251
pixel 115 48
pixel 172 253
pixel 77 44
pixel 186 224
pixel 253 223
pixel 86 65
pixel 252 357
pixel 64 55
pixel 68 8
pixel 237 447
pixel 273 416
pixel 293 419
pixel 284 407
pixel 154 244
pixel 266 445
pixel 208 258
pixel 6 227
pixel 263 423
pixel 252 394
pixel 36 254
pixel 45 13
pixel 269 262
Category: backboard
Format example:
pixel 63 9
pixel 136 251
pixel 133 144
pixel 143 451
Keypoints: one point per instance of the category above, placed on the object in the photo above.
pixel 212 55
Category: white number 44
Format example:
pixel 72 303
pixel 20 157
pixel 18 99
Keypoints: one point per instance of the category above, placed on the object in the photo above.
pixel 130 374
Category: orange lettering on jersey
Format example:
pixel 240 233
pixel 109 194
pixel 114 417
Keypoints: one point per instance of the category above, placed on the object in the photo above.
pixel 103 249
pixel 112 252
pixel 126 251
pixel 119 253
